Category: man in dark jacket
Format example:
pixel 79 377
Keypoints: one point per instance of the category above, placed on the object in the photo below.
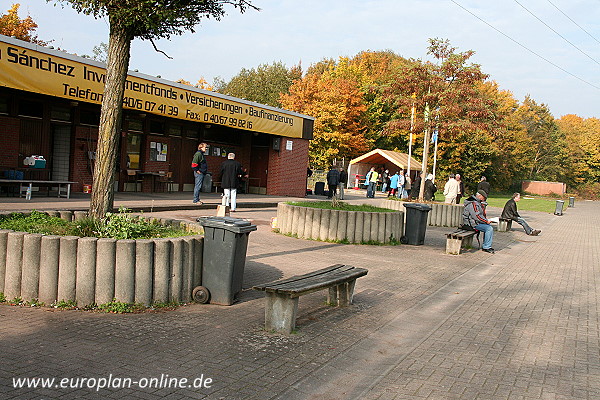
pixel 484 185
pixel 231 172
pixel 510 212
pixel 333 180
pixel 200 169
pixel 474 217
pixel 343 180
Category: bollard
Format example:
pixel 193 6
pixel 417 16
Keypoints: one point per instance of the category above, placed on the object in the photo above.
pixel 559 207
pixel 571 201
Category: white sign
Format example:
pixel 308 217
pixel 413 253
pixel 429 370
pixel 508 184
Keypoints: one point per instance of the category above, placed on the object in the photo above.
pixel 289 144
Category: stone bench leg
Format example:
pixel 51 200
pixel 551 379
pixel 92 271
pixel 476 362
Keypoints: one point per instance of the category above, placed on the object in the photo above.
pixel 453 245
pixel 468 241
pixel 341 295
pixel 504 225
pixel 280 313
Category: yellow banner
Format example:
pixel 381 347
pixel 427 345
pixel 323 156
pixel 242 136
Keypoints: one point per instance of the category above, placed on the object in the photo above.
pixel 46 73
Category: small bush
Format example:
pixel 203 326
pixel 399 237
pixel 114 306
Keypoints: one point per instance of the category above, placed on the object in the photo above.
pixel 2 298
pixel 118 307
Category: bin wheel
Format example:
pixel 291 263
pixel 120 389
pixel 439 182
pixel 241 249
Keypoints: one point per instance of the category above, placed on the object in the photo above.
pixel 404 240
pixel 200 294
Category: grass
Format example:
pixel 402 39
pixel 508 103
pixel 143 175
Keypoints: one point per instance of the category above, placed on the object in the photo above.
pixel 327 205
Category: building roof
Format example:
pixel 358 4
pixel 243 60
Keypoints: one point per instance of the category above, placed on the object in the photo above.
pixel 380 156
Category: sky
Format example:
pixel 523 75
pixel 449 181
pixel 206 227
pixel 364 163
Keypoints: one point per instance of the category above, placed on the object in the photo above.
pixel 547 49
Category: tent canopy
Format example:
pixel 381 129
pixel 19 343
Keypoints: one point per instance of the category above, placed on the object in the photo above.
pixel 389 159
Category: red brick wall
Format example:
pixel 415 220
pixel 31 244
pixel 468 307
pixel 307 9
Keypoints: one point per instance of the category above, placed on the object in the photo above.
pixel 287 169
pixel 86 138
pixel 9 134
pixel 541 187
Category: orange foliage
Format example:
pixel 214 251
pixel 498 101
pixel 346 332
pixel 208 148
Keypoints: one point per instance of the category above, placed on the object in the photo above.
pixel 12 25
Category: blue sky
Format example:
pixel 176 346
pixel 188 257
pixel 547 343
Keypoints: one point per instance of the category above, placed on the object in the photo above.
pixel 307 31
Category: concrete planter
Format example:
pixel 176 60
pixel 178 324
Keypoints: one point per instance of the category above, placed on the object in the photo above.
pixel 440 215
pixel 90 270
pixel 336 225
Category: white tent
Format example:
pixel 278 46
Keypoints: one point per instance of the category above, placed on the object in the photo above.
pixel 378 158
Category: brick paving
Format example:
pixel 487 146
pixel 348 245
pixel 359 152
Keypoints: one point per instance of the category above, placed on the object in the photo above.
pixel 520 324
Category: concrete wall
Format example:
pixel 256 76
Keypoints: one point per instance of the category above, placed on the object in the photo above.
pixel 335 225
pixel 95 271
pixel 440 215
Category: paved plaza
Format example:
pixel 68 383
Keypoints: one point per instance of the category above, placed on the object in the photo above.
pixel 520 324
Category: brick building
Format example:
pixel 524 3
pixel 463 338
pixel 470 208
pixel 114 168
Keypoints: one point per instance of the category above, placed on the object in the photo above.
pixel 50 106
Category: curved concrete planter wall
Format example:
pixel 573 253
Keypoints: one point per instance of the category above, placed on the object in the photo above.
pixel 90 270
pixel 335 225
pixel 440 215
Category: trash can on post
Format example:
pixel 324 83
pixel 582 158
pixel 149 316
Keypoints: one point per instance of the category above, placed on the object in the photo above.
pixel 416 223
pixel 559 207
pixel 223 259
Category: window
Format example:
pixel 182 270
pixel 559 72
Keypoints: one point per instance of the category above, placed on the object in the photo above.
pixel 60 113
pixel 134 147
pixel 29 108
pixel 88 117
pixel 3 105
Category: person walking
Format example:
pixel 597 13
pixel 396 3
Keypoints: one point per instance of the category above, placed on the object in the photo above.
pixel 484 185
pixel 394 184
pixel 231 172
pixel 461 188
pixel 333 180
pixel 510 212
pixel 451 190
pixel 200 169
pixel 343 180
pixel 474 218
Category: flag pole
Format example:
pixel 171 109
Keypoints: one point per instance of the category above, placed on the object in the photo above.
pixel 412 126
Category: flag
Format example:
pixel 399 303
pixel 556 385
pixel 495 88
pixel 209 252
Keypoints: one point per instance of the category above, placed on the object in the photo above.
pixel 426 113
pixel 434 137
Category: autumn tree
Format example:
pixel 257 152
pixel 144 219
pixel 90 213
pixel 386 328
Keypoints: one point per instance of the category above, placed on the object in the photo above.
pixel 130 19
pixel 201 84
pixel 263 84
pixel 336 104
pixel 23 29
pixel 582 137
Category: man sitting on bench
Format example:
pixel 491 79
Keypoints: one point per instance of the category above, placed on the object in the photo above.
pixel 510 212
pixel 474 218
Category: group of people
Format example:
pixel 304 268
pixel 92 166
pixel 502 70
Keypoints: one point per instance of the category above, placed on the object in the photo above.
pixel 231 173
pixel 475 218
pixel 336 179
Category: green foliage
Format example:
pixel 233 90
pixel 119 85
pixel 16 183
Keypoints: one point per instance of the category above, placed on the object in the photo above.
pixel 263 85
pixel 64 305
pixel 117 307
pixel 2 297
pixel 121 225
pixel 155 19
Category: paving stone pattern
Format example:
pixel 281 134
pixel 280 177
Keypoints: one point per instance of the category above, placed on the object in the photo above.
pixel 520 324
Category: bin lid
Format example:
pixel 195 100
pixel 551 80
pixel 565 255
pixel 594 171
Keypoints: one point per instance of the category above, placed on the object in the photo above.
pixel 418 206
pixel 238 225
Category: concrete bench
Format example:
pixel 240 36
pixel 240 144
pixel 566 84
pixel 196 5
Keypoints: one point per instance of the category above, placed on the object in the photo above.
pixel 504 225
pixel 459 239
pixel 282 296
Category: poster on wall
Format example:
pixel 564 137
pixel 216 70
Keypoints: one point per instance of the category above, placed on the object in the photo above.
pixel 158 151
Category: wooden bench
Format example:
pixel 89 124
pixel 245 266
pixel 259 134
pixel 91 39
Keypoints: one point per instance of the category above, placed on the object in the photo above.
pixel 504 225
pixel 282 296
pixel 458 239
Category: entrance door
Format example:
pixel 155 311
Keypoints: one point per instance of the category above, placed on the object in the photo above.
pixel 259 164
pixel 61 150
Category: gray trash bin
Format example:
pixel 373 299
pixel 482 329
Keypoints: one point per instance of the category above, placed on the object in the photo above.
pixel 559 207
pixel 416 223
pixel 223 259
pixel 206 183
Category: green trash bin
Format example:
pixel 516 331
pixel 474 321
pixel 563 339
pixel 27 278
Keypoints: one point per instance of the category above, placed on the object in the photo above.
pixel 223 259
pixel 416 223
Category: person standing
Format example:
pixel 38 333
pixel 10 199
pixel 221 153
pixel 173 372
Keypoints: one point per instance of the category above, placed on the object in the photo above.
pixel 402 180
pixel 430 188
pixel 451 190
pixel 407 185
pixel 474 218
pixel 333 180
pixel 510 212
pixel 416 187
pixel 461 188
pixel 343 180
pixel 200 169
pixel 231 172
pixel 393 184
pixel 385 178
pixel 373 176
pixel 484 185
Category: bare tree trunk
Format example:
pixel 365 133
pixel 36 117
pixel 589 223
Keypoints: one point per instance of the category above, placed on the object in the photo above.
pixel 107 150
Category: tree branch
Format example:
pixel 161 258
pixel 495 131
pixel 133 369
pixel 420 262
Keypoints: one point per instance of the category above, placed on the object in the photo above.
pixel 160 51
